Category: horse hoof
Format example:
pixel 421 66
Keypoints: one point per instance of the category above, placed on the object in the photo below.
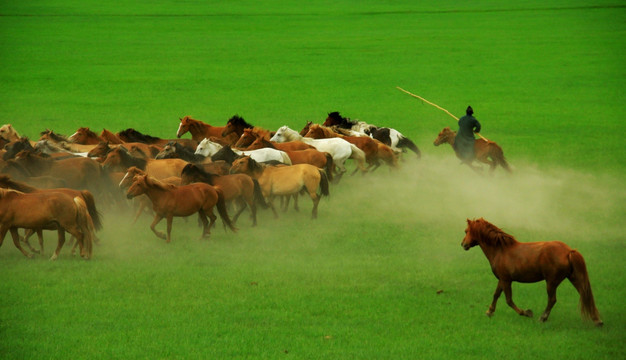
pixel 599 323
pixel 489 313
pixel 53 257
pixel 528 313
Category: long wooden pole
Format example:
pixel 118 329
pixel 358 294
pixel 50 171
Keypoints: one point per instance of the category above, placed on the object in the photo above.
pixel 437 106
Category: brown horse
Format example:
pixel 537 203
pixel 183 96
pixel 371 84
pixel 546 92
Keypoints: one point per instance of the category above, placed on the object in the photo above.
pixel 285 180
pixel 200 131
pixel 119 159
pixel 131 135
pixel 487 152
pixel 142 201
pixel 85 136
pixel 106 135
pixel 46 210
pixel 249 135
pixel 170 200
pixel 7 183
pixel 236 125
pixel 63 141
pixel 238 187
pixel 374 150
pixel 510 260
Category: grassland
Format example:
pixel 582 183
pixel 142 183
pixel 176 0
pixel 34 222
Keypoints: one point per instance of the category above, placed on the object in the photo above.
pixel 380 274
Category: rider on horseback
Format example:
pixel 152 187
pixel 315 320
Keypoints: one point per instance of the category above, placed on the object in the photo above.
pixel 464 141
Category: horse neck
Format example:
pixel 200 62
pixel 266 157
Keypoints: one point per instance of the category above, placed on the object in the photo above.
pixel 19 186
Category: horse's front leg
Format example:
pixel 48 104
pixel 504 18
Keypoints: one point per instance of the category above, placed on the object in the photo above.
pixel 496 296
pixel 506 286
pixel 24 239
pixel 156 220
pixel 61 241
pixel 169 220
pixel 16 240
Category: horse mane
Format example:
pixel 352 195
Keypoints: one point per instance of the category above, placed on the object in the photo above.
pixel 132 135
pixel 490 234
pixel 129 160
pixel 5 180
pixel 343 121
pixel 54 136
pixel 159 184
pixel 237 120
pixel 225 153
pixel 266 143
pixel 194 170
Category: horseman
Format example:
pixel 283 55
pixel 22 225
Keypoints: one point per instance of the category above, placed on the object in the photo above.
pixel 464 142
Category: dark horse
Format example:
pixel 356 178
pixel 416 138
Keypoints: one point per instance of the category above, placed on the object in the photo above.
pixel 388 136
pixel 510 260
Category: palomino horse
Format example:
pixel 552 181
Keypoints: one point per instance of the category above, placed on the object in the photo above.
pixel 170 200
pixel 322 160
pixel 142 201
pixel 388 136
pixel 487 152
pixel 238 187
pixel 338 148
pixel 85 136
pixel 119 159
pixel 285 180
pixel 46 210
pixel 7 183
pixel 510 260
pixel 374 150
pixel 200 130
pixel 209 148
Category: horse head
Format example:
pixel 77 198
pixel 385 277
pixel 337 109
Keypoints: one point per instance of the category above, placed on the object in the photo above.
pixel 236 124
pixel 138 186
pixel 207 147
pixel 285 134
pixel 100 150
pixel 129 177
pixel 333 119
pixel 306 128
pixel 183 127
pixel 8 133
pixel 82 136
pixel 244 165
pixel 168 152
pixel 445 136
pixel 469 240
pixel 15 147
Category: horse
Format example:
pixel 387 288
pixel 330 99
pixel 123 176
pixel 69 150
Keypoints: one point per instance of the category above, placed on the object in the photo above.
pixel 142 201
pixel 84 136
pixel 510 260
pixel 285 180
pixel 388 136
pixel 339 149
pixel 7 183
pixel 170 200
pixel 322 160
pixel 131 135
pixel 238 187
pixel 64 142
pixel 374 150
pixel 16 146
pixel 119 159
pixel 487 152
pixel 54 150
pixel 200 130
pixel 216 151
pixel 175 150
pixel 110 137
pixel 8 134
pixel 236 125
pixel 46 210
pixel 249 135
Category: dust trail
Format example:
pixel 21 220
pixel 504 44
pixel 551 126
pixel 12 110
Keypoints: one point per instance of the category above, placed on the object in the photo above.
pixel 552 202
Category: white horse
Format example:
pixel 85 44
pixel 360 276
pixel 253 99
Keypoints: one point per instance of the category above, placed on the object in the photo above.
pixel 208 148
pixel 338 148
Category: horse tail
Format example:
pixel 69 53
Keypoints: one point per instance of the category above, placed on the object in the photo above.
pixel 258 195
pixel 359 156
pixel 324 183
pixel 286 158
pixel 91 208
pixel 580 279
pixel 404 141
pixel 85 225
pixel 330 165
pixel 498 157
pixel 221 209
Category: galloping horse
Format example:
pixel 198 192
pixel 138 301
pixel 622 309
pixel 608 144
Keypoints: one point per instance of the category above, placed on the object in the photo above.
pixel 285 180
pixel 131 135
pixel 339 149
pixel 173 150
pixel 510 260
pixel 46 210
pixel 238 187
pixel 249 135
pixel 200 130
pixel 169 201
pixel 64 142
pixel 236 125
pixel 487 152
pixel 209 148
pixel 374 150
pixel 85 136
pixel 119 159
pixel 388 136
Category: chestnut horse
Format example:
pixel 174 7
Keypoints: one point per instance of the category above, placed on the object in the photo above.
pixel 142 201
pixel 46 210
pixel 487 152
pixel 64 142
pixel 285 180
pixel 238 187
pixel 236 125
pixel 170 200
pixel 510 260
pixel 85 136
pixel 119 159
pixel 200 131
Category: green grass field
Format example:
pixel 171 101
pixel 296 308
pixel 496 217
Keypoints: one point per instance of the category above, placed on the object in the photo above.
pixel 380 273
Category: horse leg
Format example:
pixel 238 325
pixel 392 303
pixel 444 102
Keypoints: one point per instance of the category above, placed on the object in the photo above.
pixel 496 295
pixel 16 241
pixel 205 223
pixel 316 201
pixel 61 241
pixel 271 204
pixel 242 206
pixel 551 286
pixel 506 286
pixel 295 202
pixel 169 220
pixel 27 234
pixel 156 220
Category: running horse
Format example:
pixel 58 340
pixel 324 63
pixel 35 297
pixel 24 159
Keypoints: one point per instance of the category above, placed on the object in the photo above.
pixel 169 201
pixel 200 131
pixel 85 136
pixel 46 210
pixel 285 180
pixel 485 151
pixel 552 261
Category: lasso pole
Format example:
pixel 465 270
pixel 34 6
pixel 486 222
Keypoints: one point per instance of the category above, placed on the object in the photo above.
pixel 437 106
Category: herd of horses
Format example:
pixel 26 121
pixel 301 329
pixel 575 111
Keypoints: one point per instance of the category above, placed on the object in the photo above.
pixel 54 184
